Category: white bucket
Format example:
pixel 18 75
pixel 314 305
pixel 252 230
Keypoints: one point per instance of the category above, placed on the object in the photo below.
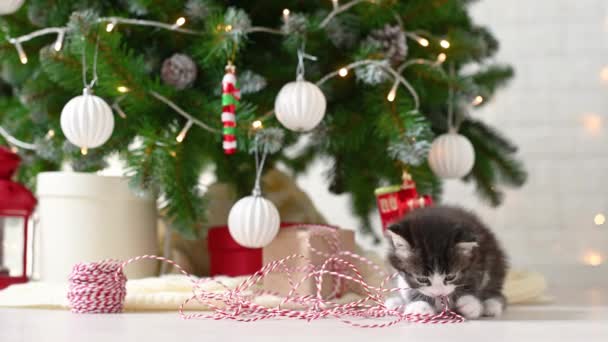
pixel 86 217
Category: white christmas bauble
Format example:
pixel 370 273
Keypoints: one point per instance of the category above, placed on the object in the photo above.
pixel 87 121
pixel 451 156
pixel 253 221
pixel 300 106
pixel 10 6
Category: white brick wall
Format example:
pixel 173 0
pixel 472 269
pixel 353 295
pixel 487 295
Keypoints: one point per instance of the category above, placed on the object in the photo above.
pixel 555 110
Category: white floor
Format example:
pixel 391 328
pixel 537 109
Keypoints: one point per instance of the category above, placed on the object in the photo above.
pixel 579 313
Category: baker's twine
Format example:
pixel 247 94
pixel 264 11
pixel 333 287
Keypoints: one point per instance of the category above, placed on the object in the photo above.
pixel 100 287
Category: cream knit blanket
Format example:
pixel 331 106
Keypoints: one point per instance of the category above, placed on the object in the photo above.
pixel 168 292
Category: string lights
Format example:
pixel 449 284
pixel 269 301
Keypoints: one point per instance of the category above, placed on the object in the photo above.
pixel 110 26
pixel 182 134
pixel 477 100
pixel 112 22
pixel 286 15
pixel 599 219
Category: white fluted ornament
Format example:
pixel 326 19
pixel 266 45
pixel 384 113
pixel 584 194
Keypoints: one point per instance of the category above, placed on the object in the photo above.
pixel 253 221
pixel 300 106
pixel 87 121
pixel 10 6
pixel 451 156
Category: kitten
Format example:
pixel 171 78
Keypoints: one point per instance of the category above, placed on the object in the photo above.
pixel 447 252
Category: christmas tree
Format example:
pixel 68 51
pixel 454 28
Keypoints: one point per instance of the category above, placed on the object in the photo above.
pixel 394 73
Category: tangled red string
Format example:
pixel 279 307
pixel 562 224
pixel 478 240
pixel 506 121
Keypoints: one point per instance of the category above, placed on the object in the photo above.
pixel 100 288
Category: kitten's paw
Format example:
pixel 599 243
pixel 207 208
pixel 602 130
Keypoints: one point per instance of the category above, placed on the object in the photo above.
pixel 493 307
pixel 419 307
pixel 395 303
pixel 469 306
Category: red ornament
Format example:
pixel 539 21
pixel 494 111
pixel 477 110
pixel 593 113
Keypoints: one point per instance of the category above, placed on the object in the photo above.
pixel 228 258
pixel 397 200
pixel 16 206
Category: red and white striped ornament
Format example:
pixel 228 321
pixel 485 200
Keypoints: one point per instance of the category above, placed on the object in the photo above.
pixel 231 95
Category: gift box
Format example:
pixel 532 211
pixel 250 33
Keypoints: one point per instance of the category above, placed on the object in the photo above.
pixel 227 257
pixel 316 244
pixel 396 201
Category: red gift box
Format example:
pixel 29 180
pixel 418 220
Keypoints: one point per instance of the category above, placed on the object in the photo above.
pixel 396 201
pixel 227 257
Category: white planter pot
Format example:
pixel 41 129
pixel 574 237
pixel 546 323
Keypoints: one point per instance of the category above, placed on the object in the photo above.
pixel 86 217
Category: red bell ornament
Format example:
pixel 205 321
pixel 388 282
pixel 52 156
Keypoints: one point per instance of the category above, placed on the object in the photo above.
pixel 16 207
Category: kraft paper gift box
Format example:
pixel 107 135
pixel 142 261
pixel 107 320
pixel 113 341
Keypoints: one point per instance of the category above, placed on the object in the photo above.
pixel 299 240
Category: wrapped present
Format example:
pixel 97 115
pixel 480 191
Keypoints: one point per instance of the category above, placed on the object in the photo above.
pixel 228 258
pixel 397 200
pixel 317 244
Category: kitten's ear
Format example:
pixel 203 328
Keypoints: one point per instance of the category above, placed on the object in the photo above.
pixel 398 244
pixel 466 248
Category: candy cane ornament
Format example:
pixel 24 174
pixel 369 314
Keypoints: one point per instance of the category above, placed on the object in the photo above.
pixel 231 95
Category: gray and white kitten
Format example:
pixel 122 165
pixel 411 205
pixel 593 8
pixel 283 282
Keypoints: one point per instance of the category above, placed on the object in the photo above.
pixel 447 252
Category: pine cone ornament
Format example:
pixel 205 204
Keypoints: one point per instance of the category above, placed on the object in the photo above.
pixel 391 41
pixel 179 71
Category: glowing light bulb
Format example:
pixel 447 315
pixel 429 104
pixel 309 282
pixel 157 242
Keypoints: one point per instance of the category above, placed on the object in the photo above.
pixel 257 124
pixel 593 258
pixel 343 72
pixel 84 151
pixel 477 100
pixel 286 14
pixel 182 135
pixel 110 26
pixel 423 42
pixel 599 219
pixel 392 95
pixel 442 57
pixel 22 55
pixel 604 75
pixel 59 41
pixel 180 21
pixel 444 44
pixel 122 89
pixel 228 28
pixel 592 122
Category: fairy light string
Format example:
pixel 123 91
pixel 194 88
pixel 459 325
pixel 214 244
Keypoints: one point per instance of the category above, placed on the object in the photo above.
pixel 112 22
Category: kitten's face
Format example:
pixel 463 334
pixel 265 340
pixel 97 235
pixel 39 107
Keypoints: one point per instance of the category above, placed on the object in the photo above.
pixel 431 261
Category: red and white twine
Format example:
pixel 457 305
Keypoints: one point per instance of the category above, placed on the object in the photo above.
pixel 101 288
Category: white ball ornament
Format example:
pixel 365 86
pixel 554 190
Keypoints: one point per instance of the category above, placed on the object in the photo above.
pixel 451 156
pixel 10 6
pixel 300 106
pixel 253 221
pixel 87 121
